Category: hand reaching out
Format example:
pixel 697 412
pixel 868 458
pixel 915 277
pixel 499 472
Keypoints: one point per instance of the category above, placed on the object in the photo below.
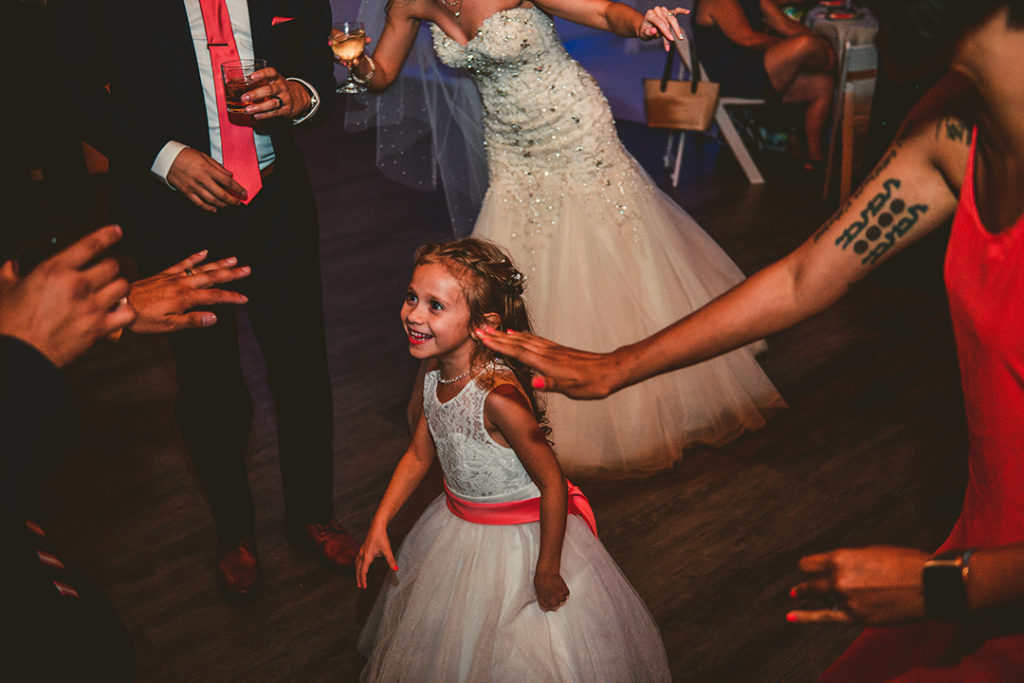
pixel 875 585
pixel 67 302
pixel 579 374
pixel 163 301
pixel 552 592
pixel 662 21
pixel 376 545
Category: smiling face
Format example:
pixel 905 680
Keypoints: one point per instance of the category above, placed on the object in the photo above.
pixel 436 317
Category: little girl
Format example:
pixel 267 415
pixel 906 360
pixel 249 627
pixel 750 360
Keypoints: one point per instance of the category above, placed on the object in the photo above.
pixel 494 582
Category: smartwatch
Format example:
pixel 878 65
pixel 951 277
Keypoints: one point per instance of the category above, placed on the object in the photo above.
pixel 944 577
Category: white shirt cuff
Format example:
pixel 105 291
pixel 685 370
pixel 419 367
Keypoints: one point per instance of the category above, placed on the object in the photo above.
pixel 165 159
pixel 316 101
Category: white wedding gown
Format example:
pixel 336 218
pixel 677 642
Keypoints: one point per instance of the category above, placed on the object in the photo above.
pixel 462 606
pixel 609 258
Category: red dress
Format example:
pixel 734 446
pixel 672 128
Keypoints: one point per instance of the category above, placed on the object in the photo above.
pixel 984 274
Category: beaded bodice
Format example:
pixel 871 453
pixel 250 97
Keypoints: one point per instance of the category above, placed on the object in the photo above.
pixel 547 126
pixel 475 466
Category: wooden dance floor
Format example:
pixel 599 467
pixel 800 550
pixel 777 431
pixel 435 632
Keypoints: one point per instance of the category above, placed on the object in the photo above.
pixel 871 451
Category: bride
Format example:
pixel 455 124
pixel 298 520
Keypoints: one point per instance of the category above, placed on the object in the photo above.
pixel 608 257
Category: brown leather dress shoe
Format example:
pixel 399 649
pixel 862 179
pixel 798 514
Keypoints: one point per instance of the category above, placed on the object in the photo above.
pixel 238 571
pixel 329 542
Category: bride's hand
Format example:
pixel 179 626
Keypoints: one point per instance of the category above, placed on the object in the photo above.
pixel 662 21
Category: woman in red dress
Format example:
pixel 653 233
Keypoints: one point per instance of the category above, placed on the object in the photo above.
pixel 956 614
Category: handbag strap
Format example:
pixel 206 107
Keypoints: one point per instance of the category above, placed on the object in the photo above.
pixel 666 73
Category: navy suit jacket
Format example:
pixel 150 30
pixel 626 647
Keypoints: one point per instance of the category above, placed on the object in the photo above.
pixel 143 50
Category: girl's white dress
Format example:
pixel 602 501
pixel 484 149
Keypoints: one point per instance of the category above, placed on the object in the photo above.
pixel 462 606
pixel 609 258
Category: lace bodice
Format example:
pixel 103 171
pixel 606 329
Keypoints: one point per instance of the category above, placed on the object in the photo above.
pixel 475 466
pixel 547 126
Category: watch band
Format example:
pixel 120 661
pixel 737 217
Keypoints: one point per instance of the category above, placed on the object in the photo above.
pixel 944 578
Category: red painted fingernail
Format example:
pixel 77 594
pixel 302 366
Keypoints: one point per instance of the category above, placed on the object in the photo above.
pixel 510 331
pixel 792 592
pixel 791 617
pixel 481 332
pixel 538 383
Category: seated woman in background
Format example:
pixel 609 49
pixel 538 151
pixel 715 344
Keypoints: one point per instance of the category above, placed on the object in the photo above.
pixel 754 50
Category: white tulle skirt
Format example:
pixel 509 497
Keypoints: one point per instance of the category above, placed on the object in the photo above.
pixel 595 284
pixel 462 607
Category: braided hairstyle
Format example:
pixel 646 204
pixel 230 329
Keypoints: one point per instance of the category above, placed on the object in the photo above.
pixel 491 285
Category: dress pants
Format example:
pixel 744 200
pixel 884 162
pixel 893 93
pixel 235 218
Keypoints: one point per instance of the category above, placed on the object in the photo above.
pixel 276 235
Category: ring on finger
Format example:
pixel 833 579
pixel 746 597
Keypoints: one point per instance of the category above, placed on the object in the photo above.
pixel 834 601
pixel 189 272
pixel 280 102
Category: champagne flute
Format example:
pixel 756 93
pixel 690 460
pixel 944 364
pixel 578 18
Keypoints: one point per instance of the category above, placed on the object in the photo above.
pixel 348 40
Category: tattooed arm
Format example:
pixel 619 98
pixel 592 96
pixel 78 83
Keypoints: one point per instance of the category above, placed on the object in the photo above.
pixel 907 195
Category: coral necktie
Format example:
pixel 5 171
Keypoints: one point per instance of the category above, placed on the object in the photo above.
pixel 238 143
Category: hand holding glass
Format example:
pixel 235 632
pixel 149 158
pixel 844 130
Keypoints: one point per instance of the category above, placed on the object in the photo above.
pixel 348 40
pixel 238 80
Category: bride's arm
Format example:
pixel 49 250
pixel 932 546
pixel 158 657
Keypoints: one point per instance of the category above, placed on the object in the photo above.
pixel 618 18
pixel 400 29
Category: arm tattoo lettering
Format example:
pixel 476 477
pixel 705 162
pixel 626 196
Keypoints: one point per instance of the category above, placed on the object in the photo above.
pixel 900 228
pixel 884 220
pixel 875 172
pixel 873 208
pixel 953 129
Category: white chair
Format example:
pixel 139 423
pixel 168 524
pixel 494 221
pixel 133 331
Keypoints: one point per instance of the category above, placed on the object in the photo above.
pixel 851 111
pixel 722 120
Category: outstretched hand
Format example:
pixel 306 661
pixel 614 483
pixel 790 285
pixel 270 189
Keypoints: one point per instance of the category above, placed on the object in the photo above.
pixel 662 21
pixel 163 301
pixel 377 544
pixel 578 374
pixel 875 585
pixel 67 302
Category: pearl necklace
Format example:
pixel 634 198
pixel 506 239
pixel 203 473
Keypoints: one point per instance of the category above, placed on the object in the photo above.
pixel 453 380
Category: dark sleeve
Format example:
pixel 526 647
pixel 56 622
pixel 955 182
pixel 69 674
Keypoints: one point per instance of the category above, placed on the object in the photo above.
pixel 312 59
pixel 83 69
pixel 34 405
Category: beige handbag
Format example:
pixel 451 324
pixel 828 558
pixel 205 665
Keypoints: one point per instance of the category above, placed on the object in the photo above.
pixel 683 105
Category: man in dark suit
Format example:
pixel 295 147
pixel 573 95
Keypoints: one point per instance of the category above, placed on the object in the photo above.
pixel 140 80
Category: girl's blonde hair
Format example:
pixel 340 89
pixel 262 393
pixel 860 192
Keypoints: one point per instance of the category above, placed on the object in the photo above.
pixel 492 284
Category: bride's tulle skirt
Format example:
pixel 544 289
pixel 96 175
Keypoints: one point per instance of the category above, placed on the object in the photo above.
pixel 596 283
pixel 462 607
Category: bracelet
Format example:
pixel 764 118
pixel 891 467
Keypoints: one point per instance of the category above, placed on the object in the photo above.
pixel 944 578
pixel 363 80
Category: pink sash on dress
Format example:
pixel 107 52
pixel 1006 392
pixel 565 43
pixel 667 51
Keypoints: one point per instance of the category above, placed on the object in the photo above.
pixel 517 511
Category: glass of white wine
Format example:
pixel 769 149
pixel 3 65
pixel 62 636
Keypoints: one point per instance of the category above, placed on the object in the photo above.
pixel 348 40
